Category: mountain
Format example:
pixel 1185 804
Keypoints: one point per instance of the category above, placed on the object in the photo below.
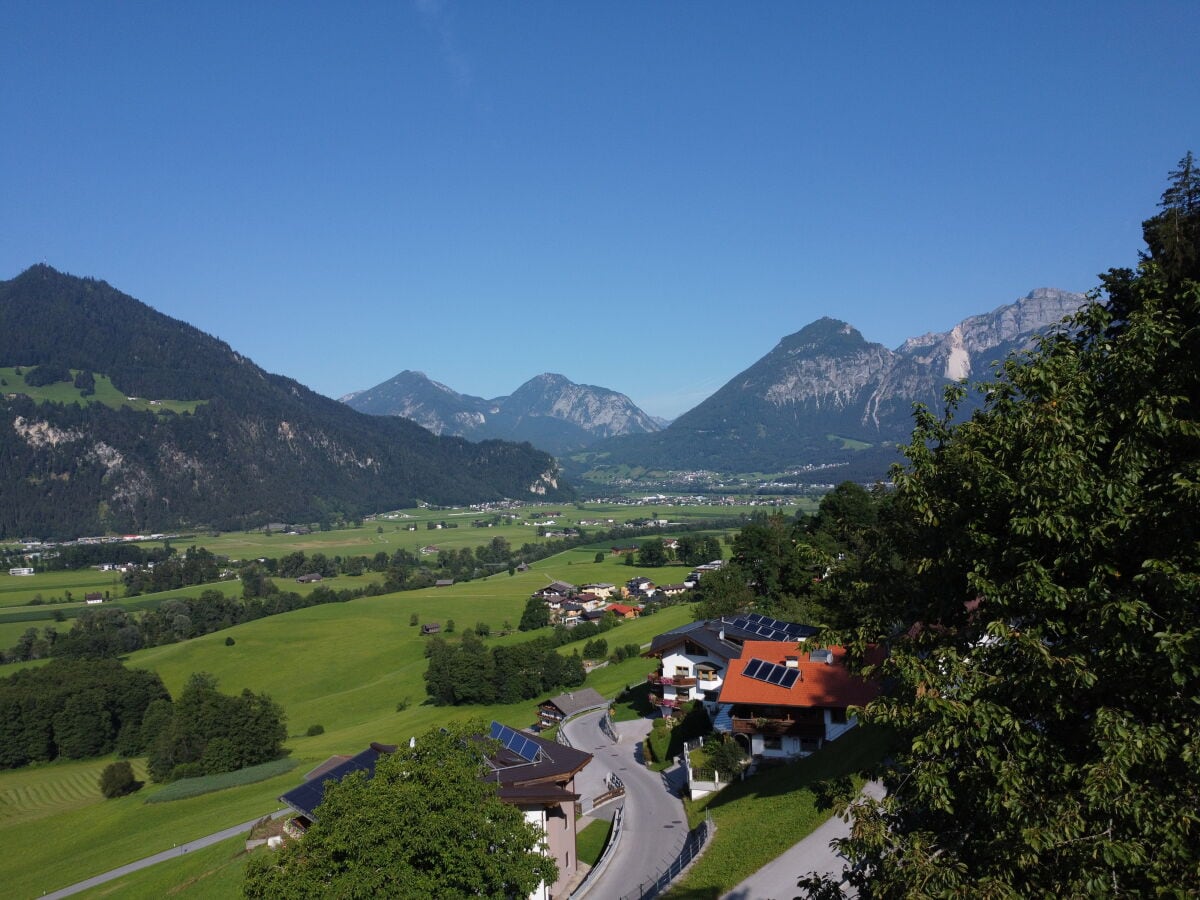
pixel 549 411
pixel 826 389
pixel 250 447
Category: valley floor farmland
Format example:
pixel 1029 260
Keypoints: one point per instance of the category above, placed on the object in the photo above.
pixel 345 666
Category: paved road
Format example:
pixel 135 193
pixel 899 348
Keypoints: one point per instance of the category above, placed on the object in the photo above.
pixel 777 879
pixel 655 823
pixel 173 853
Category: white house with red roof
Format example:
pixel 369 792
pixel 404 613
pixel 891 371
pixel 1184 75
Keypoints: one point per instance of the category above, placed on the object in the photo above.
pixel 782 702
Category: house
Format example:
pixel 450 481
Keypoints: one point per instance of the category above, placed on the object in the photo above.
pixel 94 597
pixel 535 775
pixel 554 710
pixel 622 551
pixel 590 601
pixel 21 570
pixel 695 657
pixel 672 590
pixel 602 590
pixel 430 628
pixel 429 548
pixel 310 578
pixel 443 582
pixel 781 702
pixel 622 611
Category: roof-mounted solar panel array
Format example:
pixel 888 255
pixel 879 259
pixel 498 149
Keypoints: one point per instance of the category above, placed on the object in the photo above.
pixel 771 629
pixel 518 743
pixel 771 673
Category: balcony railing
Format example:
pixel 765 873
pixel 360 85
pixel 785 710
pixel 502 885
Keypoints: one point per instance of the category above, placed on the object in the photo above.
pixel 676 680
pixel 774 727
pixel 669 702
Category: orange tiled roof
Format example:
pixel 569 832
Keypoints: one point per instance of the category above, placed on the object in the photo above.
pixel 820 684
pixel 621 608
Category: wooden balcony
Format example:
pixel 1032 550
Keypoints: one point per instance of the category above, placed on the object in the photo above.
pixel 669 702
pixel 814 728
pixel 675 680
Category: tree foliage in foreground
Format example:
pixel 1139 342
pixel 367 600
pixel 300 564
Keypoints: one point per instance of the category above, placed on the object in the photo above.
pixel 425 826
pixel 1048 672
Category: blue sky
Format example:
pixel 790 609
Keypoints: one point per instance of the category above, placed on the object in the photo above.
pixel 644 196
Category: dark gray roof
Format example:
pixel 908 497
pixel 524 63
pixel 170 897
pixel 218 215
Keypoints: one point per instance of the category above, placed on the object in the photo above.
pixel 556 764
pixel 736 630
pixel 574 701
pixel 306 798
pixel 702 634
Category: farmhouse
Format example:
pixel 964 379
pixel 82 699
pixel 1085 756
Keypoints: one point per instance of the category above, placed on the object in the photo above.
pixel 21 570
pixel 93 598
pixel 310 578
pixel 535 775
pixel 431 628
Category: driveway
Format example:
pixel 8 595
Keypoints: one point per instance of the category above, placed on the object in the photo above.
pixel 655 825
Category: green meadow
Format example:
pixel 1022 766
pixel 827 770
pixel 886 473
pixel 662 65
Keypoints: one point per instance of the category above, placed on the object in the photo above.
pixel 105 393
pixel 355 668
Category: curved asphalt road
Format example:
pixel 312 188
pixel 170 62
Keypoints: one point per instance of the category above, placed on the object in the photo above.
pixel 655 825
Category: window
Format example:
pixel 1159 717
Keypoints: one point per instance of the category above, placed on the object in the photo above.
pixel 772 742
pixel 837 716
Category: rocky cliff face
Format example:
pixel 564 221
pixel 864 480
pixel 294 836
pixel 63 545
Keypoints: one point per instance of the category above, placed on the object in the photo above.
pixel 550 411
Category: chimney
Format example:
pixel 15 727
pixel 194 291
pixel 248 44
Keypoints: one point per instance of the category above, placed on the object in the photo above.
pixel 792 662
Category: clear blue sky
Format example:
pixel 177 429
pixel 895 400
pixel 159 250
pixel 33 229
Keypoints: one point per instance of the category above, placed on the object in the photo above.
pixel 644 196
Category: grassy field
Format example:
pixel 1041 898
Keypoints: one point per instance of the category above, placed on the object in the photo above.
pixel 18 590
pixel 106 393
pixel 759 818
pixel 345 666
pixel 214 872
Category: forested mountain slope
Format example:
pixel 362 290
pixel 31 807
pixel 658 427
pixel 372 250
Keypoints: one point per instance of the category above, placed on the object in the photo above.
pixel 258 447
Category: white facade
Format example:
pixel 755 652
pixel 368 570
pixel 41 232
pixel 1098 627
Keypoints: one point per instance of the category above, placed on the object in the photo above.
pixel 21 570
pixel 791 747
pixel 699 675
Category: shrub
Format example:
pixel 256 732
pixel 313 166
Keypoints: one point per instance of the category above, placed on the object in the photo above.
pixel 117 780
pixel 314 730
pixel 229 642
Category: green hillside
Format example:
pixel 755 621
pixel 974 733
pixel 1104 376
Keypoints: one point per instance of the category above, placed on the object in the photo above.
pixel 345 666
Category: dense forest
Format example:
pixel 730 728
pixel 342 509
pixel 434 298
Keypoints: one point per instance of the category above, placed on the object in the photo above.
pixel 83 708
pixel 261 447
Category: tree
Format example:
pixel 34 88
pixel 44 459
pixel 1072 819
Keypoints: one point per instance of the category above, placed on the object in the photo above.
pixel 652 553
pixel 599 557
pixel 536 615
pixel 117 780
pixel 724 592
pixel 426 825
pixel 1047 669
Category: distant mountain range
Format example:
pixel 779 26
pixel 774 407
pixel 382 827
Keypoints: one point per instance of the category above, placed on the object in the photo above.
pixel 825 394
pixel 252 447
pixel 822 395
pixel 549 411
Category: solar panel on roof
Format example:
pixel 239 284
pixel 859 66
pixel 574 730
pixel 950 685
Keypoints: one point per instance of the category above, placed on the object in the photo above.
pixel 771 673
pixel 518 743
